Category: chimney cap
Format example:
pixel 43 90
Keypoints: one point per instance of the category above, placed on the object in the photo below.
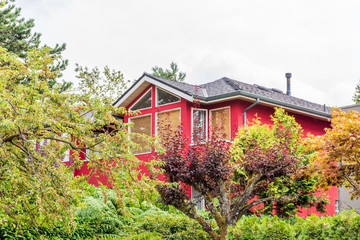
pixel 288 75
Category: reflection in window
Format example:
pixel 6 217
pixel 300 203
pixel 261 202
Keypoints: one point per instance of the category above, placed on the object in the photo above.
pixel 141 125
pixel 144 102
pixel 220 122
pixel 199 125
pixel 165 97
pixel 168 123
pixel 198 199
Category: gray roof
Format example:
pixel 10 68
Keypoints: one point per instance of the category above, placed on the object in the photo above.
pixel 225 87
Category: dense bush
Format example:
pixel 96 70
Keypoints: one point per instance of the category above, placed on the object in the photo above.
pixel 100 217
pixel 343 226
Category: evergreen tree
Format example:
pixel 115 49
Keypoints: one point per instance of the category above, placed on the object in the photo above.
pixel 16 36
pixel 356 97
pixel 171 74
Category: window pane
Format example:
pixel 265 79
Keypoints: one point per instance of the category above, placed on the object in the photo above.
pixel 220 122
pixel 142 125
pixel 198 199
pixel 199 125
pixel 168 123
pixel 144 102
pixel 165 98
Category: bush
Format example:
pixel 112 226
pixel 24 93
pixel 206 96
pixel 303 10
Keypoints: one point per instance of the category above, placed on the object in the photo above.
pixel 346 225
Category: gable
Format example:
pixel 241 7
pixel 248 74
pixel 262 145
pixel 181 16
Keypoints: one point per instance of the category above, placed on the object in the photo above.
pixel 141 84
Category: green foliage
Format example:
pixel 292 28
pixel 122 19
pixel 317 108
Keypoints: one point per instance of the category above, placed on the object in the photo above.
pixel 171 74
pixel 16 36
pixel 38 126
pixel 343 226
pixel 108 84
pixel 294 184
pixel 356 96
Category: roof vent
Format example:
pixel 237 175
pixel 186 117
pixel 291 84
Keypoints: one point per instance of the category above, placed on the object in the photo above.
pixel 288 76
pixel 232 84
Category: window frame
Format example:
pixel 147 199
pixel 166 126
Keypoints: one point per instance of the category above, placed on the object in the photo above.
pixel 221 108
pixel 165 111
pixel 139 116
pixel 140 98
pixel 156 97
pixel 206 120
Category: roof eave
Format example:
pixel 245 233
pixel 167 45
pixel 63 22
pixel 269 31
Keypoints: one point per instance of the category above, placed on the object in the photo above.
pixel 266 101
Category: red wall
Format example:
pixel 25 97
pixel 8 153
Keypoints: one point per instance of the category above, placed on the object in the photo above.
pixel 237 107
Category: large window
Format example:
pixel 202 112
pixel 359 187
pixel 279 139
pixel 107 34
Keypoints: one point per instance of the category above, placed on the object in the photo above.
pixel 199 124
pixel 144 102
pixel 164 97
pixel 220 121
pixel 141 125
pixel 168 123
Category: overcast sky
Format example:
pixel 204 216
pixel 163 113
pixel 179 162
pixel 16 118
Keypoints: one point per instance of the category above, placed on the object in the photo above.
pixel 254 41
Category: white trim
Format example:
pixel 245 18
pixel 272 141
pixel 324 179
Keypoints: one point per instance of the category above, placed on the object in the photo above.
pixel 140 98
pixel 156 97
pixel 206 120
pixel 156 83
pixel 156 117
pixel 139 116
pixel 168 88
pixel 221 108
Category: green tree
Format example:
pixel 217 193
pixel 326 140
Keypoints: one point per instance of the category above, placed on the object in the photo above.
pixel 38 126
pixel 16 36
pixel 356 97
pixel 172 73
pixel 264 165
pixel 108 84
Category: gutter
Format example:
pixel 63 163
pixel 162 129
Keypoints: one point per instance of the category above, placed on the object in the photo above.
pixel 248 108
pixel 264 100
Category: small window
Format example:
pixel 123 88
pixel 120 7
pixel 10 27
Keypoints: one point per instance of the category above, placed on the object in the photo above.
pixel 199 120
pixel 165 97
pixel 220 121
pixel 144 102
pixel 198 199
pixel 142 125
pixel 168 123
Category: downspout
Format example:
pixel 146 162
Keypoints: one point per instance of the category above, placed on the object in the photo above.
pixel 252 105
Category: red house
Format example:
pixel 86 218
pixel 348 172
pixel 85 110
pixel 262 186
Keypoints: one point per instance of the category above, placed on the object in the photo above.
pixel 235 102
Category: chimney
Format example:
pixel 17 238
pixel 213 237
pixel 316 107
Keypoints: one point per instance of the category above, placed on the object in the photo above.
pixel 288 76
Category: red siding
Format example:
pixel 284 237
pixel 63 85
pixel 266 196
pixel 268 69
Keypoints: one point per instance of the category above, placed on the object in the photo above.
pixel 237 107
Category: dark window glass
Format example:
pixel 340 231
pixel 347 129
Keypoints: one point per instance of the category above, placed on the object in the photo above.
pixel 144 102
pixel 165 97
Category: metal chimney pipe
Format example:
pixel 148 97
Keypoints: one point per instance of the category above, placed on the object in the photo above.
pixel 288 76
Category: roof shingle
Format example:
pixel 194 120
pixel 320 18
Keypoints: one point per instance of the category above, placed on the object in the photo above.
pixel 224 86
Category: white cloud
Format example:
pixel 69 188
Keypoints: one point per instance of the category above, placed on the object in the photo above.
pixel 252 41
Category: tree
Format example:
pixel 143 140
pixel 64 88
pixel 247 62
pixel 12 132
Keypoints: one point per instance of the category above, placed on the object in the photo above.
pixel 172 73
pixel 16 36
pixel 338 160
pixel 232 179
pixel 38 125
pixel 110 84
pixel 356 97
